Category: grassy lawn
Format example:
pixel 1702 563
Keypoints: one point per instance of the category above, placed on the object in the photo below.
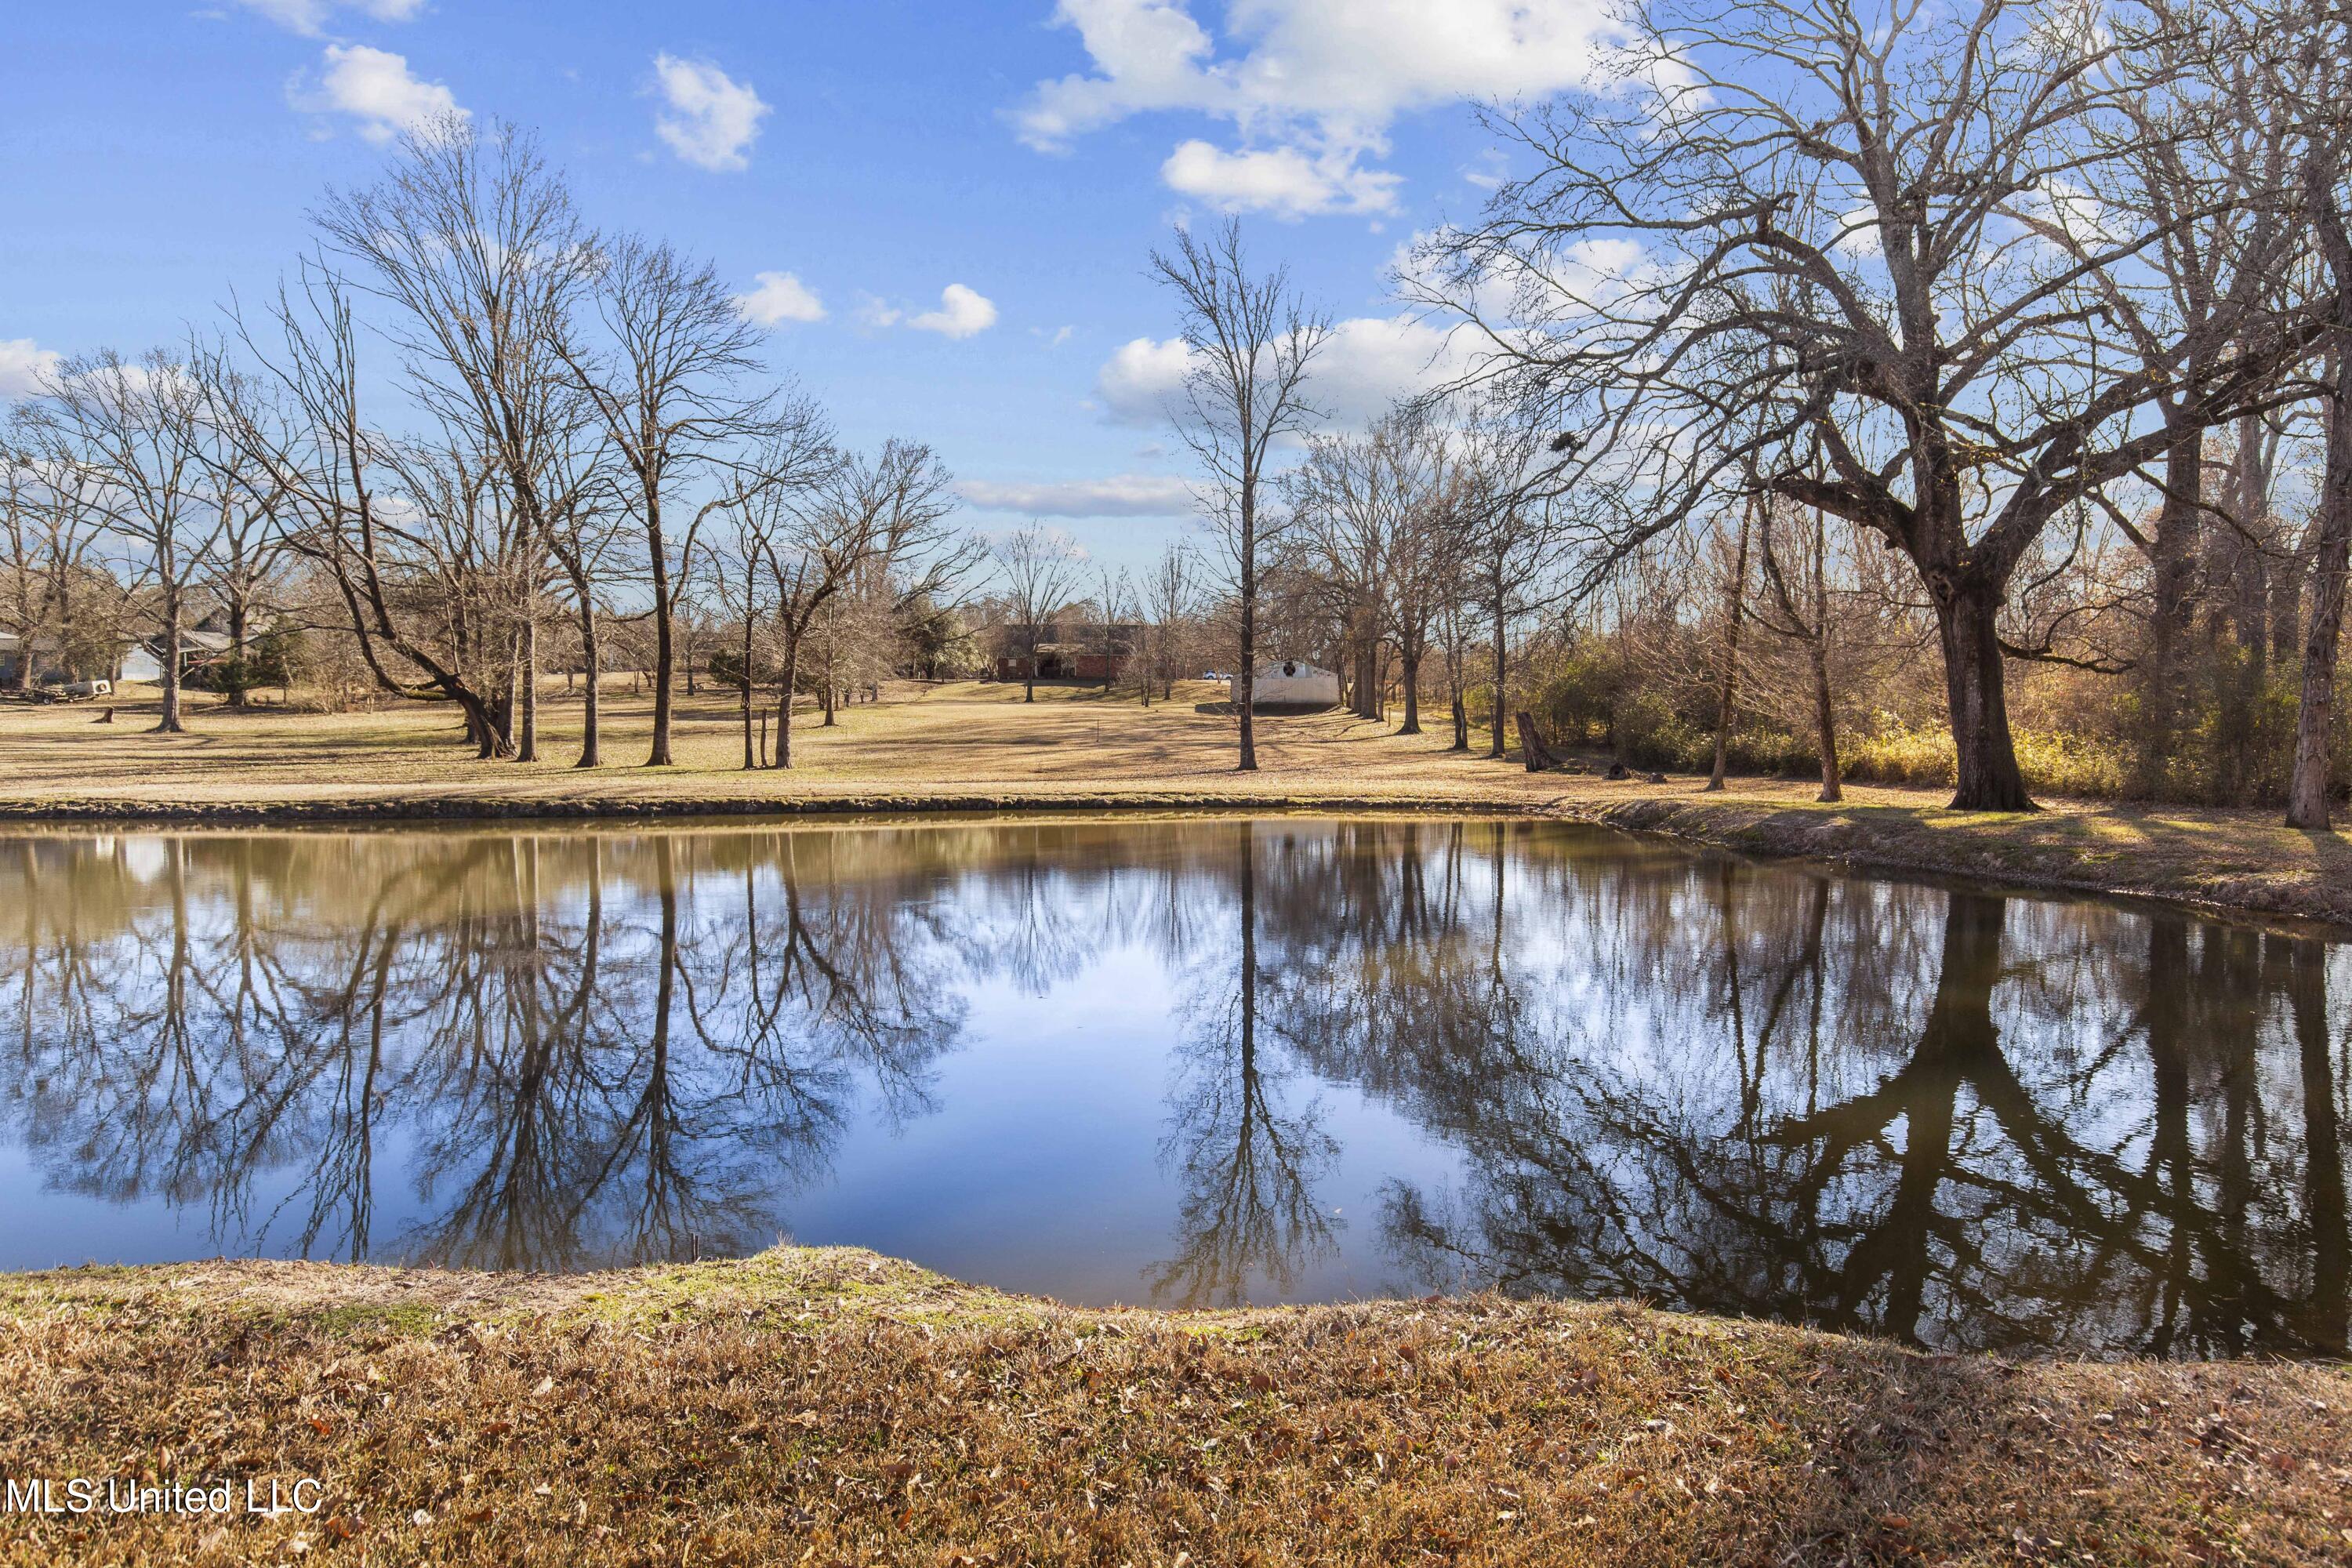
pixel 830 1407
pixel 977 744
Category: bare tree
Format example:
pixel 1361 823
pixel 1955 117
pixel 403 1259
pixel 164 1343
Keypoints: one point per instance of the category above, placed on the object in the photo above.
pixel 1375 510
pixel 1251 343
pixel 1349 500
pixel 248 541
pixel 2325 175
pixel 388 566
pixel 1112 592
pixel 474 246
pixel 880 517
pixel 1800 614
pixel 24 568
pixel 736 553
pixel 1837 252
pixel 583 541
pixel 667 384
pixel 1513 533
pixel 1039 568
pixel 133 432
pixel 1728 678
pixel 1167 604
pixel 2201 168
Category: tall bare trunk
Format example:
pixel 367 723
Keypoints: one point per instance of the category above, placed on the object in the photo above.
pixel 170 724
pixel 1502 707
pixel 1825 712
pixel 663 612
pixel 591 654
pixel 784 704
pixel 1245 676
pixel 2174 564
pixel 1368 670
pixel 238 629
pixel 1726 687
pixel 2309 784
pixel 751 755
pixel 1966 615
pixel 526 666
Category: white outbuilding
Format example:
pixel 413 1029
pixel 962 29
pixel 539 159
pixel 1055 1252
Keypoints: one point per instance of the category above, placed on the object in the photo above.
pixel 1292 683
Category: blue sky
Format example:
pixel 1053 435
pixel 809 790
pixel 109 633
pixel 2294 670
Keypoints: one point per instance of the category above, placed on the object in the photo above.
pixel 966 192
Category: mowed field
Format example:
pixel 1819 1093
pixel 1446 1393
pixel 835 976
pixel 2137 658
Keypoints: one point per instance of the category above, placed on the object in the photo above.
pixel 975 745
pixel 932 737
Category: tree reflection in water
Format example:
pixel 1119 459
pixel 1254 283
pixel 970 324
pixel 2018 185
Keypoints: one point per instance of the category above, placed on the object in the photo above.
pixel 1944 1115
pixel 1247 1147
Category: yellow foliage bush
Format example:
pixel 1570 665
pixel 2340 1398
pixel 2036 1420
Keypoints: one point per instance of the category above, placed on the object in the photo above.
pixel 2053 762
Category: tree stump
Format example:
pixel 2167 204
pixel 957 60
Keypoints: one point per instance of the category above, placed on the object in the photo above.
pixel 1532 749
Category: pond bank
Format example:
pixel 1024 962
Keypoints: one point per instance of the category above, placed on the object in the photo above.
pixel 2225 862
pixel 825 1404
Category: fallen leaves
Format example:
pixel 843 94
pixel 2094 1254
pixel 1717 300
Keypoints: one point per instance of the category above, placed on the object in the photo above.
pixel 1477 1431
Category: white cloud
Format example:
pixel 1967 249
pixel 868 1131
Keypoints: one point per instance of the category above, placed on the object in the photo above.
pixel 1142 381
pixel 712 119
pixel 1370 362
pixel 962 313
pixel 309 18
pixel 23 364
pixel 1120 495
pixel 1317 82
pixel 1374 361
pixel 376 89
pixel 1282 181
pixel 780 296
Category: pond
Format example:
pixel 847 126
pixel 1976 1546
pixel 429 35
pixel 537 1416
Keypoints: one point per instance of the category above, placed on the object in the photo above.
pixel 1185 1061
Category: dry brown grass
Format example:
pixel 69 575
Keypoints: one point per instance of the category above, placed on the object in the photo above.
pixel 980 745
pixel 831 1407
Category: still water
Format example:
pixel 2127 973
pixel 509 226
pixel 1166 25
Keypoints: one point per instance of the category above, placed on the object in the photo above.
pixel 1185 1061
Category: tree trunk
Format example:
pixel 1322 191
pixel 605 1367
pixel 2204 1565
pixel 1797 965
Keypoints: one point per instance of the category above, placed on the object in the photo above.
pixel 592 654
pixel 663 653
pixel 750 755
pixel 1825 712
pixel 1495 746
pixel 1825 723
pixel 2173 563
pixel 482 723
pixel 1726 687
pixel 170 723
pixel 2308 784
pixel 1367 677
pixel 1973 690
pixel 527 742
pixel 2252 549
pixel 784 706
pixel 1245 678
pixel 1412 725
pixel 238 618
